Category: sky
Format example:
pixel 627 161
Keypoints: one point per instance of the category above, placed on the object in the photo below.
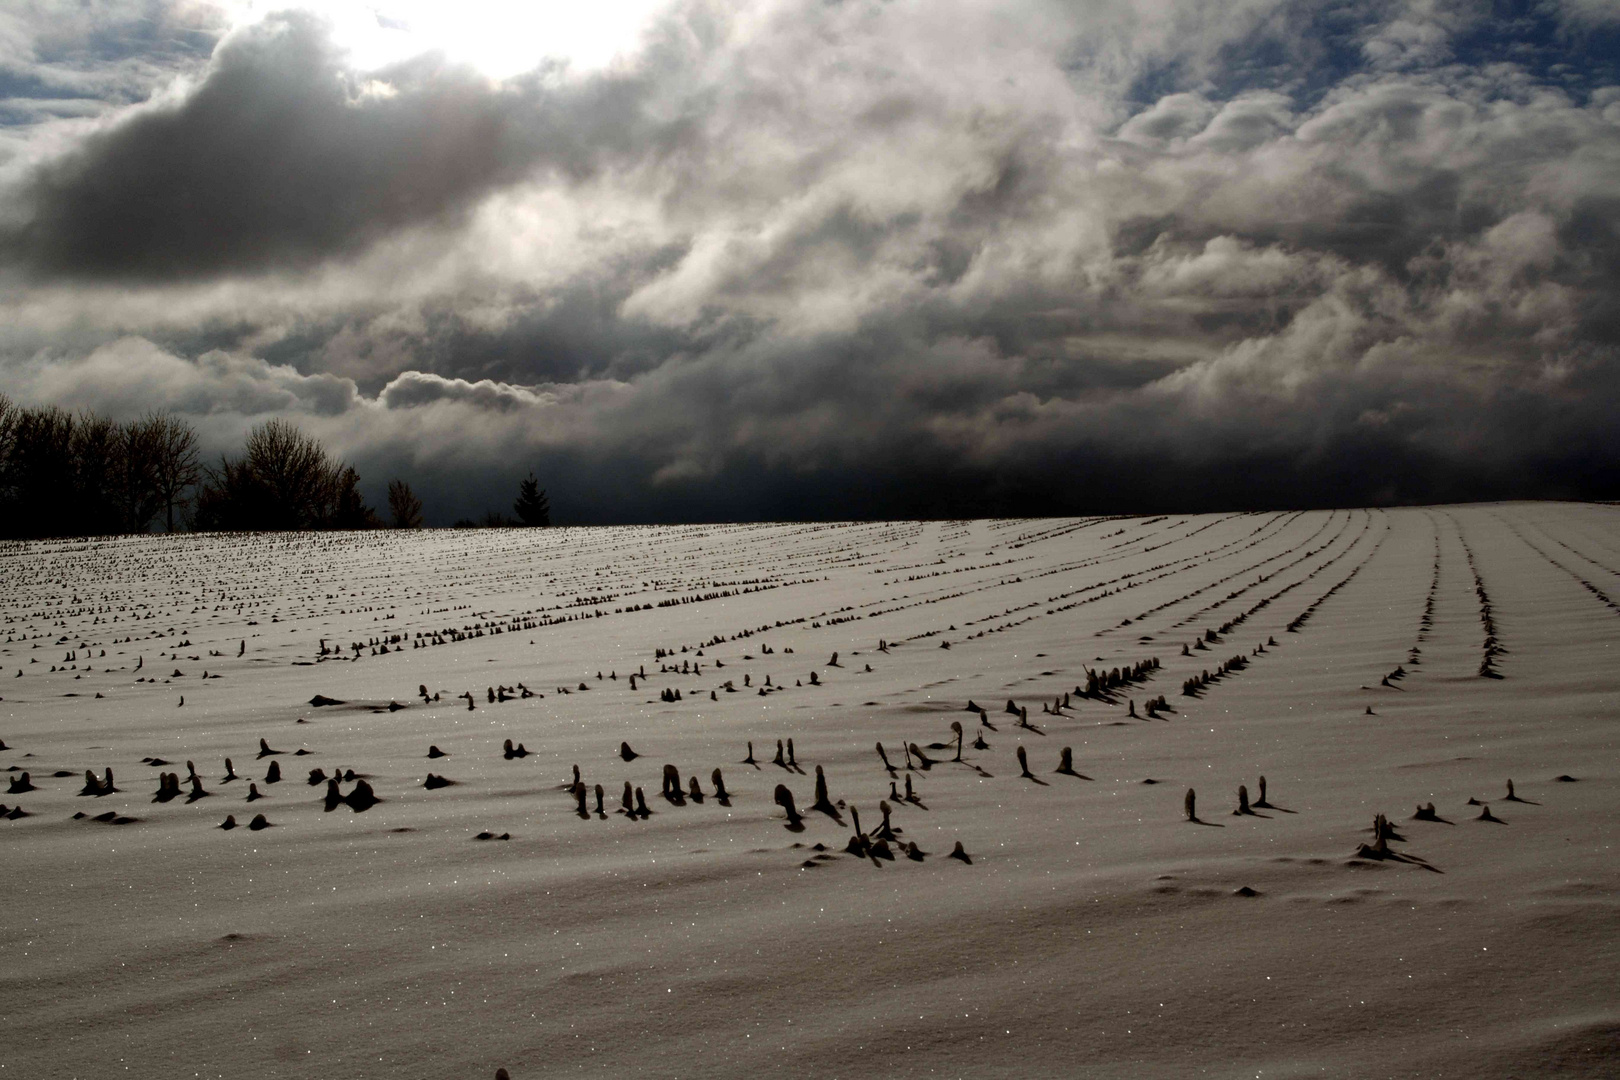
pixel 694 261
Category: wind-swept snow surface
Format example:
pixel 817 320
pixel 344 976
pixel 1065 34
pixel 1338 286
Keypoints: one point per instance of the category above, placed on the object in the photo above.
pixel 480 887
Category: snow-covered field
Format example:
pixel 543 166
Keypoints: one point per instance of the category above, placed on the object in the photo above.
pixel 1096 931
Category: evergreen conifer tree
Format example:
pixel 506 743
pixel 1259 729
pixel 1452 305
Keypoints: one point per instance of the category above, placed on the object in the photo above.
pixel 532 506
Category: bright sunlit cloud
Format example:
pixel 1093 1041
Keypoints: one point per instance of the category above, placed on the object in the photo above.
pixel 501 38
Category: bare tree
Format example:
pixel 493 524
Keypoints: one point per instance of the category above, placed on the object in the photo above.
pixel 93 453
pixel 133 477
pixel 10 508
pixel 283 480
pixel 64 474
pixel 292 468
pixel 8 428
pixel 403 505
pixel 172 446
pixel 40 477
pixel 67 474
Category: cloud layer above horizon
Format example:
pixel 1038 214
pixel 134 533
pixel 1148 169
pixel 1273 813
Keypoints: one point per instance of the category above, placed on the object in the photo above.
pixel 860 258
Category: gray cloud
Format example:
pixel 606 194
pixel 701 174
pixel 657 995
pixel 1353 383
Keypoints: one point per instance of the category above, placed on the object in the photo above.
pixel 862 259
pixel 283 156
pixel 132 375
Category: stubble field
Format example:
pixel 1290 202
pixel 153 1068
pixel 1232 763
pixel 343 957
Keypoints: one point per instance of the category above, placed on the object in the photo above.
pixel 1364 662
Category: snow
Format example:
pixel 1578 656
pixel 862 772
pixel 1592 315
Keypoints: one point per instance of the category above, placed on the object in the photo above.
pixel 1096 931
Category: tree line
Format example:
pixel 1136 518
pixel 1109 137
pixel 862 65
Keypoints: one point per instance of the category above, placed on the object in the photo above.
pixel 82 474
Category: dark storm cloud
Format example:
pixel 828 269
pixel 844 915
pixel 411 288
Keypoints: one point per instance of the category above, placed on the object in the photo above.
pixel 872 260
pixel 284 156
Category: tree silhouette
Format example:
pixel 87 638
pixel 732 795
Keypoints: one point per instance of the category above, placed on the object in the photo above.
pixel 284 480
pixel 40 478
pixel 81 474
pixel 172 446
pixel 403 505
pixel 532 506
pixel 347 510
pixel 133 479
pixel 93 451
